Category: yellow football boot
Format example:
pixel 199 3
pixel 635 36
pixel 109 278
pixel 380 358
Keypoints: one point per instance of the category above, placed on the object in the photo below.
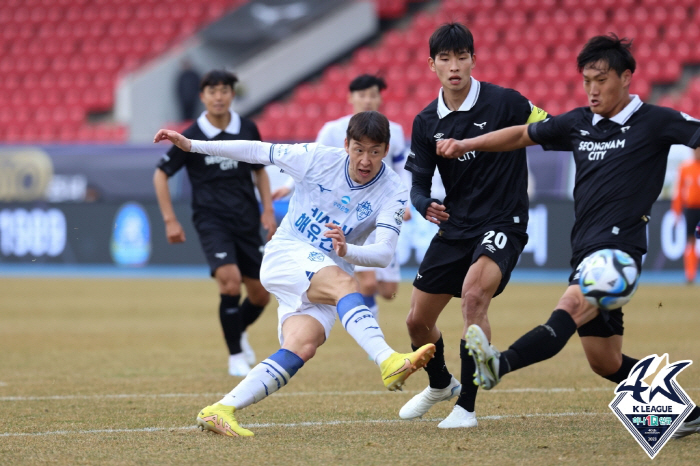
pixel 397 368
pixel 219 419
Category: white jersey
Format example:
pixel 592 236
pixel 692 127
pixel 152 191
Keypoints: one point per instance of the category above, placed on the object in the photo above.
pixel 325 193
pixel 333 134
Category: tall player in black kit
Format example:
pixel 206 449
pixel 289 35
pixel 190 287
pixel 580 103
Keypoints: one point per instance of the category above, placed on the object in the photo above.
pixel 620 147
pixel 483 219
pixel 225 213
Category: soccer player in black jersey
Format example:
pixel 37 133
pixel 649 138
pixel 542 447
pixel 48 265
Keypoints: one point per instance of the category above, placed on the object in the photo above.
pixel 225 213
pixel 620 146
pixel 483 218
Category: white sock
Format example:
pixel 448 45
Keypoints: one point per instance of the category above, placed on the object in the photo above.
pixel 363 327
pixel 264 379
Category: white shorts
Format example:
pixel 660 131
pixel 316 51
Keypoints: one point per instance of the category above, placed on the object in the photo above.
pixel 391 273
pixel 286 271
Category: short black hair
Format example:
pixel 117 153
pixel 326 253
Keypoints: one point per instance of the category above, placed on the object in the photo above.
pixel 451 37
pixel 365 81
pixel 216 77
pixel 372 125
pixel 608 49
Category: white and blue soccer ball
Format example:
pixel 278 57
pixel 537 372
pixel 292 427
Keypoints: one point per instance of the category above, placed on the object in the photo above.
pixel 608 278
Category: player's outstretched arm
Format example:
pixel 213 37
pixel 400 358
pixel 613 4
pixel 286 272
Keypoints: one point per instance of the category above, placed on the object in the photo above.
pixel 503 140
pixel 173 136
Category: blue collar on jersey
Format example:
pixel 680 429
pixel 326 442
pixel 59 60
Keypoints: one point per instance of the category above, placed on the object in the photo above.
pixel 354 186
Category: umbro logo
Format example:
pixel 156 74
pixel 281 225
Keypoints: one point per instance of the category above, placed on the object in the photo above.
pixel 584 132
pixel 624 129
pixel 480 125
pixel 323 189
pixel 220 255
pixel 438 136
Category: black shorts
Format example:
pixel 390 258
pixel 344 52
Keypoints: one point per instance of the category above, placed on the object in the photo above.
pixel 606 323
pixel 692 218
pixel 447 260
pixel 223 244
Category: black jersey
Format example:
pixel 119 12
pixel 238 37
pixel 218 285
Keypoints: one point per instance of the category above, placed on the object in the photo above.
pixel 220 185
pixel 482 190
pixel 620 169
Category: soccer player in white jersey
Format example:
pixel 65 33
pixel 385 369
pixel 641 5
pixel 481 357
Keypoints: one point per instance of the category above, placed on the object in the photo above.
pixel 340 199
pixel 366 95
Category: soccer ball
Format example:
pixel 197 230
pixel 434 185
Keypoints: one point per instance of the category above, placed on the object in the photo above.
pixel 608 278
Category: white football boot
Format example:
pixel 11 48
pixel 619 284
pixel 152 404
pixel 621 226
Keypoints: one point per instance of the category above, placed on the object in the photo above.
pixel 237 365
pixel 687 428
pixel 247 349
pixel 458 418
pixel 421 403
pixel 486 358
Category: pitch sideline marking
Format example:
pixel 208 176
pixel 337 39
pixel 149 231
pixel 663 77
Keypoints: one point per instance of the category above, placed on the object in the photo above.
pixel 294 424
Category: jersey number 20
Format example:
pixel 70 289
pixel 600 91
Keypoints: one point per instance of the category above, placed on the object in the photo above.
pixel 500 239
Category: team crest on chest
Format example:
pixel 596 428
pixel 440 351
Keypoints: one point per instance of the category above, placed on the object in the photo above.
pixel 364 209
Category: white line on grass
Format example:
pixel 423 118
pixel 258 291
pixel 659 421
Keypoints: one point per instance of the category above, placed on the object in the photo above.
pixel 292 424
pixel 290 394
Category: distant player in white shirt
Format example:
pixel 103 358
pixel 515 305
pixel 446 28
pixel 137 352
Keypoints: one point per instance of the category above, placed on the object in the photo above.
pixel 341 197
pixel 365 95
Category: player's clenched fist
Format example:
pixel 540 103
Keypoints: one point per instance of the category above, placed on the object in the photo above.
pixel 436 213
pixel 173 136
pixel 451 148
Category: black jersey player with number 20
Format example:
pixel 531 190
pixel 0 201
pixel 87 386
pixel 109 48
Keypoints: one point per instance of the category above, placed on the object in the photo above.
pixel 483 218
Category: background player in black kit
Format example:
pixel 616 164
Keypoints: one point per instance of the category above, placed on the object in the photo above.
pixel 225 213
pixel 483 219
pixel 620 146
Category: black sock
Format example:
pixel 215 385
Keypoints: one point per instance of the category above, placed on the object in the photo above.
pixel 624 370
pixel 438 375
pixel 250 312
pixel 540 343
pixel 230 317
pixel 694 414
pixel 467 397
